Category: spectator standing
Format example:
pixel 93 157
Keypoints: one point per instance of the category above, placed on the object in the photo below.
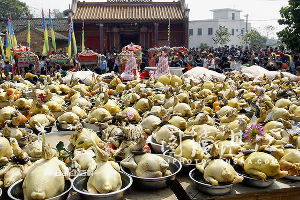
pixel 7 67
pixel 103 64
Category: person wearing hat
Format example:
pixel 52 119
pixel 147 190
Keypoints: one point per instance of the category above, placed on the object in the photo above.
pixel 237 63
pixel 175 62
pixel 103 64
pixel 7 67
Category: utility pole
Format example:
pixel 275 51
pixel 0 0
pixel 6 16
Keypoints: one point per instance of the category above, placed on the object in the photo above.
pixel 247 22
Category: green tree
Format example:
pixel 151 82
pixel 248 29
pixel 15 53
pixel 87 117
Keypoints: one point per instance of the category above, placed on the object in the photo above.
pixel 290 35
pixel 16 8
pixel 57 14
pixel 260 41
pixel 222 36
pixel 203 46
pixel 253 37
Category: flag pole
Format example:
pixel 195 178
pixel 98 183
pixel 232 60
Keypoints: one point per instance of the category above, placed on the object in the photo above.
pixel 28 33
pixel 82 44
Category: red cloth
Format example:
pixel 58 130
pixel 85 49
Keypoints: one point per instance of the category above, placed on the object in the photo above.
pixel 143 75
pixel 188 67
pixel 206 67
pixel 152 62
pixel 284 66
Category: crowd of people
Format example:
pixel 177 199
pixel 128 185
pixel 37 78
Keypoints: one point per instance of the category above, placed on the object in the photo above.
pixel 217 59
pixel 231 59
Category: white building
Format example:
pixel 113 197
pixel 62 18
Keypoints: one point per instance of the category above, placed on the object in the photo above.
pixel 202 31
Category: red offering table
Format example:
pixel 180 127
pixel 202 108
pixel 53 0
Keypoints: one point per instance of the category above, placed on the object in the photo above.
pixel 89 57
pixel 24 59
pixel 60 59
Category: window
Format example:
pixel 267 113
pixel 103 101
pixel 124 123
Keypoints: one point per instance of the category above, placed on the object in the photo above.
pixel 233 16
pixel 199 31
pixel 242 31
pixel 210 31
pixel 232 31
pixel 236 30
pixel 191 31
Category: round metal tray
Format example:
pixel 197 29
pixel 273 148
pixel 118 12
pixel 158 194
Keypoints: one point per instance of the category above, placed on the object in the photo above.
pixel 202 186
pixel 80 186
pixel 15 191
pixel 156 183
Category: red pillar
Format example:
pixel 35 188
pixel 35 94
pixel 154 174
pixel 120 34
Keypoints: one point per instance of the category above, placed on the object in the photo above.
pixel 186 34
pixel 156 34
pixel 102 38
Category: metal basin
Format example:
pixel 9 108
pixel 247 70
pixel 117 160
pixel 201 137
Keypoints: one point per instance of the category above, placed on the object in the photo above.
pixel 57 114
pixel 253 182
pixel 90 126
pixel 185 167
pixel 80 186
pixel 202 186
pixel 15 191
pixel 158 148
pixel 293 177
pixel 156 183
pixel 48 129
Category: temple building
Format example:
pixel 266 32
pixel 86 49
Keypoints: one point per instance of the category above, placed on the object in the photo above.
pixel 117 23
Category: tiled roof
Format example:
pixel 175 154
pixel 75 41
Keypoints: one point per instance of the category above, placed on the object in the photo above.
pixel 104 11
pixel 58 36
pixel 59 25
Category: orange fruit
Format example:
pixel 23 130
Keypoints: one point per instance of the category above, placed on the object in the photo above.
pixel 17 92
pixel 110 91
pixel 16 97
pixel 9 91
pixel 215 104
pixel 217 108
pixel 93 93
pixel 88 94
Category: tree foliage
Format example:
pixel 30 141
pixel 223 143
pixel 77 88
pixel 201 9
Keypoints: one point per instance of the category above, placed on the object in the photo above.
pixel 222 36
pixel 203 46
pixel 16 8
pixel 57 14
pixel 290 35
pixel 253 37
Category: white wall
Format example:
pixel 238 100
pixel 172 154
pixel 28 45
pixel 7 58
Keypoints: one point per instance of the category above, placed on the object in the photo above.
pixel 196 40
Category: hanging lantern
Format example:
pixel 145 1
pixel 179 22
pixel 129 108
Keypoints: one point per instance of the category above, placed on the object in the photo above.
pixel 144 29
pixel 116 30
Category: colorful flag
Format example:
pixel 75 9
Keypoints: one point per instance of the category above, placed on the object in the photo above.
pixel 8 46
pixel 69 44
pixel 2 50
pixel 44 50
pixel 45 33
pixel 82 44
pixel 28 33
pixel 52 33
pixel 12 34
pixel 74 40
